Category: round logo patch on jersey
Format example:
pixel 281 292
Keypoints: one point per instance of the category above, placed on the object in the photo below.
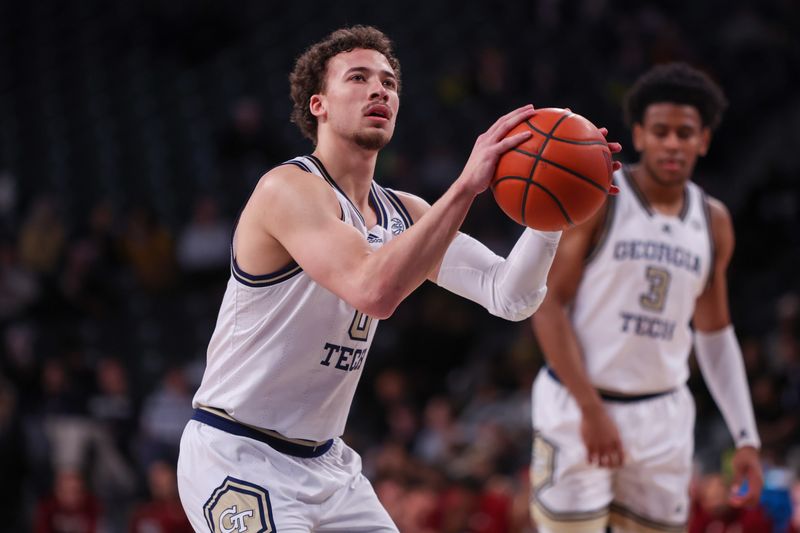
pixel 237 506
pixel 397 226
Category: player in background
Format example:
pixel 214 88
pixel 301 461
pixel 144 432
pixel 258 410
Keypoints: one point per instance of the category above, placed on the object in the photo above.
pixel 320 253
pixel 613 419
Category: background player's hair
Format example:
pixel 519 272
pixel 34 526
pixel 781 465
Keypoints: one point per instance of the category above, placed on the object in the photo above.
pixel 676 83
pixel 308 76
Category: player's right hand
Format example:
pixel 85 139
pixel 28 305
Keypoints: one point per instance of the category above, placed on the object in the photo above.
pixel 490 145
pixel 601 438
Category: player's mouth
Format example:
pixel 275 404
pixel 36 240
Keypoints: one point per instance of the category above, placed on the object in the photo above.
pixel 379 112
pixel 671 165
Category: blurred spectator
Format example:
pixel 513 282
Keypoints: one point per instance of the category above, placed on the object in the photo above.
pixel 42 237
pixel 162 513
pixel 148 247
pixel 204 244
pixel 440 437
pixel 711 512
pixel 19 288
pixel 794 521
pixel 247 147
pixel 8 201
pixel 165 413
pixel 71 508
pixel 113 405
pixel 12 459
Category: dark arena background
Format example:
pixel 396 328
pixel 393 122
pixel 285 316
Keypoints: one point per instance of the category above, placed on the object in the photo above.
pixel 132 132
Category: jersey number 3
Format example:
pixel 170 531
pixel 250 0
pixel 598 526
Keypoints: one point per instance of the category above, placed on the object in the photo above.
pixel 656 296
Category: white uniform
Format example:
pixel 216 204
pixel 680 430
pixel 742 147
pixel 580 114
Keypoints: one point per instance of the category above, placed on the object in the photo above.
pixel 263 451
pixel 631 314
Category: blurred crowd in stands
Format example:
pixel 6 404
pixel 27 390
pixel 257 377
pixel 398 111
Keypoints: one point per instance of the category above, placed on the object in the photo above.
pixel 131 134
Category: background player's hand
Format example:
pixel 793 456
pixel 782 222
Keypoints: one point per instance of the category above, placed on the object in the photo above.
pixel 601 438
pixel 489 146
pixel 746 467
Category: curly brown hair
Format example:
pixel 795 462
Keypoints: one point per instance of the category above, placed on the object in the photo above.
pixel 308 76
pixel 677 83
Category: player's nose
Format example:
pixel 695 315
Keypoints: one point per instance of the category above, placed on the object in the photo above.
pixel 378 90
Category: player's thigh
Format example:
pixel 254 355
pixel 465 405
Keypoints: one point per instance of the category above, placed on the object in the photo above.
pixel 355 509
pixel 651 491
pixel 229 483
pixel 568 494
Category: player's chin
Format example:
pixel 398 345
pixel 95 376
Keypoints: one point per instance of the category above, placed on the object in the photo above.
pixel 372 138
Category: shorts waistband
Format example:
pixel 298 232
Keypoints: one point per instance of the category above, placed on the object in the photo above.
pixel 282 444
pixel 619 397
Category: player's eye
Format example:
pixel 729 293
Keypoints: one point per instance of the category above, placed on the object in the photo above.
pixel 390 83
pixel 357 77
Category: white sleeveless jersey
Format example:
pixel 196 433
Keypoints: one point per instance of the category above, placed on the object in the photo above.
pixel 634 304
pixel 286 353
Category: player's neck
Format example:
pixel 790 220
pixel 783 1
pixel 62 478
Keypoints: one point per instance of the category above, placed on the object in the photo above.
pixel 350 166
pixel 666 199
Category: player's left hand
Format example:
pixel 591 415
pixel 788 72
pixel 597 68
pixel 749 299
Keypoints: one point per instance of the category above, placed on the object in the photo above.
pixel 746 467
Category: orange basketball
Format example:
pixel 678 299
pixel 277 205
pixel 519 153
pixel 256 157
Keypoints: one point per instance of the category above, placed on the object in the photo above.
pixel 557 178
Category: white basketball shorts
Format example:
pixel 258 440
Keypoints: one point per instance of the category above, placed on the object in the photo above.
pixel 232 483
pixel 648 493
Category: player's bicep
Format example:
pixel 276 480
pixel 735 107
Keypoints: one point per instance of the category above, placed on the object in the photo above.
pixel 305 217
pixel 712 312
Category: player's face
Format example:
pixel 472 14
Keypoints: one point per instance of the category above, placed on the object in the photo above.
pixel 670 139
pixel 359 100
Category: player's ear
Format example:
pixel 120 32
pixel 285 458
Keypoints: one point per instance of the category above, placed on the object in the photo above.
pixel 317 105
pixel 705 141
pixel 638 137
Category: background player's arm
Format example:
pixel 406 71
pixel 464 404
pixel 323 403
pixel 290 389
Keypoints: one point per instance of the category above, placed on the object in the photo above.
pixel 720 360
pixel 293 213
pixel 560 344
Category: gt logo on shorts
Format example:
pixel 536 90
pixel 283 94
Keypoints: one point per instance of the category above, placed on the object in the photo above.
pixel 236 520
pixel 238 506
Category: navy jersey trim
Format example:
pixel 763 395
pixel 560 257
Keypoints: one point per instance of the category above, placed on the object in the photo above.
pixel 332 182
pixel 712 249
pixel 380 209
pixel 264 280
pixel 605 230
pixel 398 204
pixel 637 191
pixel 687 200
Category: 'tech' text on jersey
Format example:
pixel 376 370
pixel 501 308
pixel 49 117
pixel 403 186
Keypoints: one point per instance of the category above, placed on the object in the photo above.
pixel 635 302
pixel 286 353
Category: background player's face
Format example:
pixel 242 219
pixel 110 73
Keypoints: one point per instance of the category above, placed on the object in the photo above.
pixel 359 100
pixel 669 140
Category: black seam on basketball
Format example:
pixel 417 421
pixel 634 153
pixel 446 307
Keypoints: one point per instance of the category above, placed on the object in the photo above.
pixel 504 178
pixel 556 200
pixel 561 139
pixel 562 167
pixel 547 137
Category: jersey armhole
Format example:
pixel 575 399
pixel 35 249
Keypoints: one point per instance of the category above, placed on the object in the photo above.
pixel 398 204
pixel 711 247
pixel 600 235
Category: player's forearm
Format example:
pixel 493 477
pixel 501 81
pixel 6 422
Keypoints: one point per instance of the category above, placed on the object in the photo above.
pixel 563 354
pixel 396 269
pixel 511 288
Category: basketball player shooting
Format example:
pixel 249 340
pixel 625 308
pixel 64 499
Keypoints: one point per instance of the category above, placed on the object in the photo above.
pixel 613 419
pixel 320 254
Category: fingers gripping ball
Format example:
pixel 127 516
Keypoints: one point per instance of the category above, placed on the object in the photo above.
pixel 557 178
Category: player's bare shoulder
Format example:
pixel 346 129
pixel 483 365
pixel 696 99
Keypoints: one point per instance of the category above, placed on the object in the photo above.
pixel 289 191
pixel 415 205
